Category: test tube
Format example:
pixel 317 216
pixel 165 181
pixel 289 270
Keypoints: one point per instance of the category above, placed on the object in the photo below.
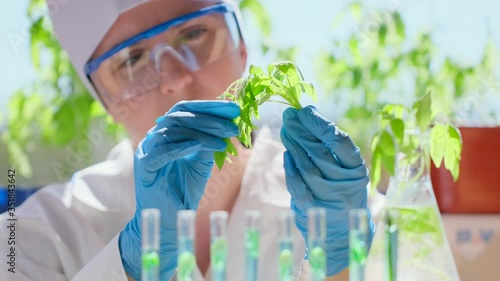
pixel 150 244
pixel 358 236
pixel 316 243
pixel 218 245
pixel 391 236
pixel 252 241
pixel 285 236
pixel 186 261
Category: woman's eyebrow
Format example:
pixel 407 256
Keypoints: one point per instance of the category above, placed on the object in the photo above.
pixel 198 20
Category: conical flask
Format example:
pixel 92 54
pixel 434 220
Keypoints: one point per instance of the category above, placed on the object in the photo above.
pixel 420 251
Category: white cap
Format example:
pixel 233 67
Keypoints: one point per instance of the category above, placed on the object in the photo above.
pixel 80 25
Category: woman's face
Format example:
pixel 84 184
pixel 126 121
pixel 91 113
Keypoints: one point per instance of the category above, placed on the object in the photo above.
pixel 139 114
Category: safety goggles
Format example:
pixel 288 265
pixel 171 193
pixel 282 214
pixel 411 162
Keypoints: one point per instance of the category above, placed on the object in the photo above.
pixel 139 64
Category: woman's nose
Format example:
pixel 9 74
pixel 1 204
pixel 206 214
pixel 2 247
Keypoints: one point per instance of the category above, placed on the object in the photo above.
pixel 174 75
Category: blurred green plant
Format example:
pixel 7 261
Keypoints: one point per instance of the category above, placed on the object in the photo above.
pixel 282 82
pixel 405 129
pixel 56 108
pixel 263 22
pixel 378 65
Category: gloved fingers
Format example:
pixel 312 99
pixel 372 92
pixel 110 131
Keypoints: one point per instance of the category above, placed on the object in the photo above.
pixel 302 197
pixel 159 156
pixel 320 187
pixel 296 130
pixel 339 142
pixel 322 157
pixel 217 108
pixel 196 172
pixel 309 172
pixel 155 198
pixel 319 154
pixel 193 195
pixel 181 134
pixel 346 194
pixel 215 126
pixel 200 158
pixel 337 259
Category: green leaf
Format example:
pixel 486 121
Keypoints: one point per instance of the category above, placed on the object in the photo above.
pixel 230 147
pixel 283 79
pixel 400 26
pixel 376 162
pixel 354 50
pixel 97 110
pixel 15 107
pixel 32 106
pixel 410 143
pixel 374 69
pixel 220 158
pixel 423 113
pixel 459 84
pixel 258 91
pixel 417 220
pixel 289 69
pixel 63 125
pixel 36 31
pixel 394 110
pixel 35 5
pixel 453 151
pixel 382 34
pixel 439 139
pixel 255 70
pixel 398 129
pixel 388 150
pixel 358 113
pixel 260 14
pixel 308 89
pixel 356 76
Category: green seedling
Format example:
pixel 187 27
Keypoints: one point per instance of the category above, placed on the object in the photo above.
pixel 283 83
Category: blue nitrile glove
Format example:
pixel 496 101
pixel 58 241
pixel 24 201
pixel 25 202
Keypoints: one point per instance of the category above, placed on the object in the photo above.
pixel 172 166
pixel 324 169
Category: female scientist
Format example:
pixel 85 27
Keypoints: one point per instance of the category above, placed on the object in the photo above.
pixel 158 68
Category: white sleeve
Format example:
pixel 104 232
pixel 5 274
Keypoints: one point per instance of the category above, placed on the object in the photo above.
pixel 107 265
pixel 40 237
pixel 56 239
pixel 66 231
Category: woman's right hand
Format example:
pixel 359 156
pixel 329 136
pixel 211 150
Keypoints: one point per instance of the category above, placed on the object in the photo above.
pixel 172 165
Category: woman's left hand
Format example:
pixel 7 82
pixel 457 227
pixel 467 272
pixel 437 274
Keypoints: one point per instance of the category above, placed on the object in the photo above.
pixel 324 168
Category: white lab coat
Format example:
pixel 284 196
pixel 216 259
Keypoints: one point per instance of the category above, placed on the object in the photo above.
pixel 70 231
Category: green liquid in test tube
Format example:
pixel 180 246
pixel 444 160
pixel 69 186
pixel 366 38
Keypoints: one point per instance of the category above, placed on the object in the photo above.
pixel 218 245
pixel 252 244
pixel 391 244
pixel 285 258
pixel 150 244
pixel 358 236
pixel 316 243
pixel 186 259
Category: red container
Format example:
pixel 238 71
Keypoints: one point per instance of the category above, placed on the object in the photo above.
pixel 478 187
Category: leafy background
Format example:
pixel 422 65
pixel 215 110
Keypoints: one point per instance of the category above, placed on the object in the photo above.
pixel 358 56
